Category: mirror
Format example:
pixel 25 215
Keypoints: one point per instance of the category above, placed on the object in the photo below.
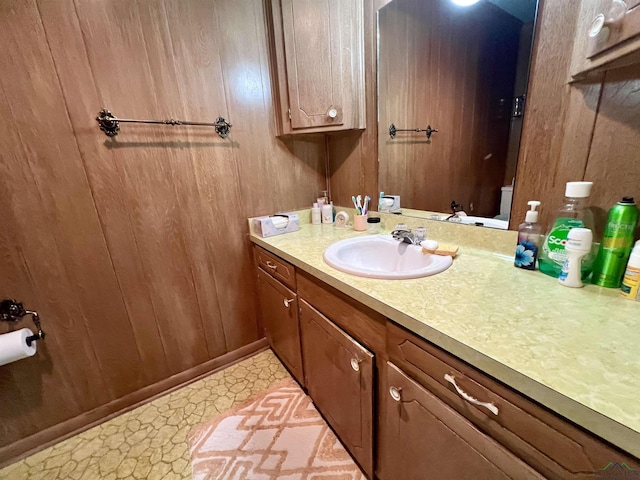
pixel 458 74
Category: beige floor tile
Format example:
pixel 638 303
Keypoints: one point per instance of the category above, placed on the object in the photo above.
pixel 150 442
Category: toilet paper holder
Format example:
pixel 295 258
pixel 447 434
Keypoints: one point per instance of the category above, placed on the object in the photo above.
pixel 13 311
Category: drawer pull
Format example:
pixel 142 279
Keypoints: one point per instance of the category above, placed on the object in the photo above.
pixel 288 302
pixel 396 393
pixel 272 266
pixel 355 364
pixel 489 406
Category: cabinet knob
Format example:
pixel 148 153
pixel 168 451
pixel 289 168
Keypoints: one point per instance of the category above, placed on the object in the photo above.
pixel 396 393
pixel 271 266
pixel 615 14
pixel 489 406
pixel 333 113
pixel 288 302
pixel 355 364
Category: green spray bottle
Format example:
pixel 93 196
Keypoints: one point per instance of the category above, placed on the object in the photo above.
pixel 616 245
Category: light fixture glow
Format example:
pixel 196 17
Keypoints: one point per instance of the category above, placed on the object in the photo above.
pixel 465 3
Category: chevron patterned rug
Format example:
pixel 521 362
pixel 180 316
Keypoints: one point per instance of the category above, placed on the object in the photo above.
pixel 278 434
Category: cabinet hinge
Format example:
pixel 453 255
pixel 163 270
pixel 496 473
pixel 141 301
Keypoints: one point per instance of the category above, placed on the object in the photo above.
pixel 289 112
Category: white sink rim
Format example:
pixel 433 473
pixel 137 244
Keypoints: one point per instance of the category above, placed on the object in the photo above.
pixel 385 250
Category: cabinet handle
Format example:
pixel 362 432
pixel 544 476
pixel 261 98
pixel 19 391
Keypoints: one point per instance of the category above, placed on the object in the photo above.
pixel 489 406
pixel 355 364
pixel 616 13
pixel 272 266
pixel 288 302
pixel 396 393
pixel 332 113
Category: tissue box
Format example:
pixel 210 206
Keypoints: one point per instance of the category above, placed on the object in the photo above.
pixel 271 225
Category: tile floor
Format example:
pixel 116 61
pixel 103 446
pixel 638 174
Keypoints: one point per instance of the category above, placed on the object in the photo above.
pixel 150 442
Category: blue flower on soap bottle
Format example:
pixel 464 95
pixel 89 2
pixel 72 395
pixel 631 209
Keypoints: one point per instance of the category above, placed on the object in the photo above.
pixel 525 255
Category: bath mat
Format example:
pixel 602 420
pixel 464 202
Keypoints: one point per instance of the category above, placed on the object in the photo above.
pixel 278 434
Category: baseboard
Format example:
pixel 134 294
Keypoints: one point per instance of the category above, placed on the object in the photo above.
pixel 57 433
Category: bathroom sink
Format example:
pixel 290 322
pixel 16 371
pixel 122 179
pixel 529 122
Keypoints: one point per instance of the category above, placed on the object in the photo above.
pixel 381 256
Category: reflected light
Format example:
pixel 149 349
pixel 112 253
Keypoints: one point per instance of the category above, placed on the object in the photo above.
pixel 465 3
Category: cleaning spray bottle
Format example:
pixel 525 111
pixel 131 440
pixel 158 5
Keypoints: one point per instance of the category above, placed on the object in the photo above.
pixel 528 239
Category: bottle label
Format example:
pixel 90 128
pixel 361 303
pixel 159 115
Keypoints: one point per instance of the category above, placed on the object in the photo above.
pixel 564 273
pixel 631 283
pixel 555 242
pixel 526 254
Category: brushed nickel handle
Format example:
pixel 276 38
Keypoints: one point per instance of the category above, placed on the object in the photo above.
pixel 272 266
pixel 488 405
pixel 396 393
pixel 288 302
pixel 355 364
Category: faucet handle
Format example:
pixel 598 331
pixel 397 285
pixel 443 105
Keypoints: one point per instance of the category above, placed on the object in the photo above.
pixel 456 207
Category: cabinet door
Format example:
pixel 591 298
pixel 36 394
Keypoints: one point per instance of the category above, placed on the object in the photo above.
pixel 423 438
pixel 323 52
pixel 279 314
pixel 339 378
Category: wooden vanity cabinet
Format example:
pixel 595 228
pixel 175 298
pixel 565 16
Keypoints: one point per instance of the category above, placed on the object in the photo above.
pixel 317 64
pixel 550 444
pixel 339 378
pixel 279 316
pixel 425 438
pixel 349 357
pixel 616 45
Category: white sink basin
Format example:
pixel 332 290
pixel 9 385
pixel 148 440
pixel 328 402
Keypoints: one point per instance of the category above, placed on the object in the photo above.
pixel 381 256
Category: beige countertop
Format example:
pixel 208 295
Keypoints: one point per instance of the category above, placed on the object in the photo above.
pixel 576 351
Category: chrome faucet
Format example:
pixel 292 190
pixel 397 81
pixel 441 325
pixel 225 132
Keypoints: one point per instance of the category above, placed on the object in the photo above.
pixel 405 236
pixel 455 208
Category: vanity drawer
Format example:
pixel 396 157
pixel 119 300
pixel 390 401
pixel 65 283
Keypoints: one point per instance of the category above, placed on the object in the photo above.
pixel 276 267
pixel 552 445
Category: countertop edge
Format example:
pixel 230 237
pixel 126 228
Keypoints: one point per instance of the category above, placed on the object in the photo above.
pixel 608 429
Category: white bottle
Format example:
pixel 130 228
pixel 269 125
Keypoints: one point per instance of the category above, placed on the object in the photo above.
pixel 631 281
pixel 327 213
pixel 316 218
pixel 578 245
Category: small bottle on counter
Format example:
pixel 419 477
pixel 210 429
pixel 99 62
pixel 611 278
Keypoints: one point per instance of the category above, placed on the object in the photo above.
pixel 631 281
pixel 529 234
pixel 577 247
pixel 316 218
pixel 327 213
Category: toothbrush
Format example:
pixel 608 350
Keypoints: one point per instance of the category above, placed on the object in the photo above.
pixel 365 208
pixel 353 199
pixel 359 205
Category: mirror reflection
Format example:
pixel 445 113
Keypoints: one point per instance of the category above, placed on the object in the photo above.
pixel 452 82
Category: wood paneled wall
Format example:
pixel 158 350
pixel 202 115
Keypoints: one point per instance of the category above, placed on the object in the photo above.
pixel 134 250
pixel 571 132
pixel 576 131
pixel 447 67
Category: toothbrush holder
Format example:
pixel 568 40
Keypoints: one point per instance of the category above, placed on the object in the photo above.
pixel 360 223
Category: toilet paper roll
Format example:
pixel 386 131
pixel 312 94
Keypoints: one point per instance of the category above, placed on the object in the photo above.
pixel 13 346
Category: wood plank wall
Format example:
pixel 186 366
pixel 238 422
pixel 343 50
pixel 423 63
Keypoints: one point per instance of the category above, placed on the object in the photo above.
pixel 134 249
pixel 571 131
pixel 593 135
pixel 449 68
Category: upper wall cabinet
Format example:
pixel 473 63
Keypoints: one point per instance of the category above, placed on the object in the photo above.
pixel 317 58
pixel 608 36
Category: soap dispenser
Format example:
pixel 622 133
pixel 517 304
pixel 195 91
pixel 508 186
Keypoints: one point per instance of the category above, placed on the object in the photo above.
pixel 529 234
